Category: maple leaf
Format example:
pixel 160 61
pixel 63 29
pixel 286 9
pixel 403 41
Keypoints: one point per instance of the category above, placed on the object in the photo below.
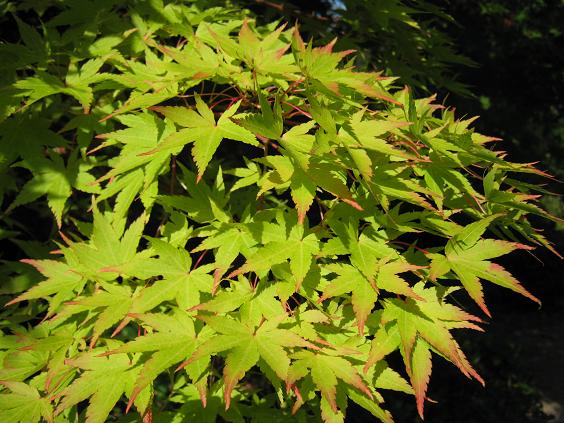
pixel 109 248
pixel 299 249
pixel 389 280
pixel 269 122
pixel 431 325
pixel 370 134
pixel 195 60
pixel 384 377
pixel 24 404
pixel 420 374
pixel 144 131
pixel 325 370
pixel 302 187
pixel 103 382
pixel 266 56
pixel 320 65
pixel 349 279
pixel 203 130
pixel 467 256
pixel 201 202
pixel 174 340
pixel 229 242
pixel 51 178
pixel 60 278
pixel 178 281
pixel 244 346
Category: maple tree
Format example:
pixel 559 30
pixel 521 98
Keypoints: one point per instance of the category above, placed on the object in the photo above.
pixel 244 224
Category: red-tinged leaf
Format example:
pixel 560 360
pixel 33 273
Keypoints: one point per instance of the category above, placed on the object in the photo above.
pixel 302 190
pixel 299 400
pixel 466 254
pixel 61 278
pixel 473 286
pixel 352 203
pixel 469 270
pixel 435 305
pixel 438 336
pixel 372 91
pixel 363 300
pixel 421 367
pixel 388 279
pixel 349 279
pixel 408 335
pixel 347 373
pixel 498 275
pixel 486 249
pixel 326 381
pixel 385 342
pixel 158 363
pixel 298 42
pixel 380 176
pixel 238 362
pixel 325 370
pixel 121 326
pixel 198 371
pixel 470 234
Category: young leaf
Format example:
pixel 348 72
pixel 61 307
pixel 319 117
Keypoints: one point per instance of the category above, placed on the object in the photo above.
pixel 24 404
pixel 203 130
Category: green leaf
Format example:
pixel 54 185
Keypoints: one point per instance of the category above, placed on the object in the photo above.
pixel 53 179
pixel 103 382
pixel 420 373
pixel 385 341
pixel 467 256
pixel 130 281
pixel 244 346
pixel 349 279
pixel 203 131
pixel 269 122
pixel 325 370
pixel 24 404
pixel 60 278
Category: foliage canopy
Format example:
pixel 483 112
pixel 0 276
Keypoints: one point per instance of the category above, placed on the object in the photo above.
pixel 246 225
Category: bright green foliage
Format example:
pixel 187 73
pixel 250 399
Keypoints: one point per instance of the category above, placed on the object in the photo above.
pixel 24 404
pixel 246 225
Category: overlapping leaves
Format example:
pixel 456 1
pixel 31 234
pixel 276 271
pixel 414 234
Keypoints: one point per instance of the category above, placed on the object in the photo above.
pixel 279 270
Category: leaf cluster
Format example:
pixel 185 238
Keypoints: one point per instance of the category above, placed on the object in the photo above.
pixel 244 224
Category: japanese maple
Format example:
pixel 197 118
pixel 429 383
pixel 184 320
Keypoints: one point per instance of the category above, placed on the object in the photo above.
pixel 247 225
